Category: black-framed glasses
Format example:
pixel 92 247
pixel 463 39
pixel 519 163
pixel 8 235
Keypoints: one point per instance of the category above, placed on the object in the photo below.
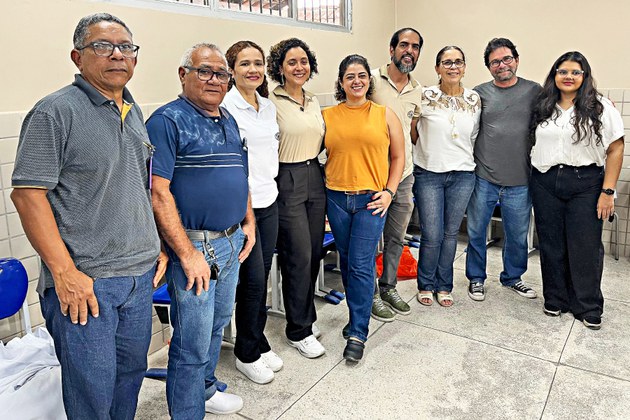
pixel 505 60
pixel 204 74
pixel 447 64
pixel 106 49
pixel 565 73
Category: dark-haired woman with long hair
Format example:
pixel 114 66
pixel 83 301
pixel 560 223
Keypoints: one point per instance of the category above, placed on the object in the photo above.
pixel 444 172
pixel 301 194
pixel 256 117
pixel 576 161
pixel 366 155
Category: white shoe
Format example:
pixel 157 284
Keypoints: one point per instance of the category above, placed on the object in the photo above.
pixel 257 371
pixel 224 403
pixel 272 360
pixel 308 347
pixel 316 332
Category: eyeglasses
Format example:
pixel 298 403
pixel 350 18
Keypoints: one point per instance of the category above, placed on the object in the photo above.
pixel 106 49
pixel 505 60
pixel 447 64
pixel 565 73
pixel 204 74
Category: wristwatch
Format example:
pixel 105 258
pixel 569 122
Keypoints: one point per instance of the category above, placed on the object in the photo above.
pixel 393 194
pixel 608 191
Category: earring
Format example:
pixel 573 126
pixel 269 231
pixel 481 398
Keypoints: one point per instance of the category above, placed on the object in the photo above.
pixel 282 79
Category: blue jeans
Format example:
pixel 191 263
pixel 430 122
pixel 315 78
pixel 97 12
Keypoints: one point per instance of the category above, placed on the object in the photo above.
pixel 198 323
pixel 516 205
pixel 442 199
pixel 356 232
pixel 103 362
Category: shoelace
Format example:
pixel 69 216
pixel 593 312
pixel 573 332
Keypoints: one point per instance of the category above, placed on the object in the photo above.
pixel 520 286
pixel 477 288
pixel 379 304
pixel 395 296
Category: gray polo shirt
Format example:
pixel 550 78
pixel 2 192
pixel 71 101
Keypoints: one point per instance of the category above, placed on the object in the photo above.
pixel 502 147
pixel 75 144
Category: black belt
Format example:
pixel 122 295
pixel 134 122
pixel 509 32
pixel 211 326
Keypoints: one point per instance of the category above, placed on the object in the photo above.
pixel 206 235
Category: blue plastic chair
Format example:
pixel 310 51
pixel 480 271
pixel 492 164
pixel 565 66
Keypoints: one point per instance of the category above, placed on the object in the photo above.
pixel 13 288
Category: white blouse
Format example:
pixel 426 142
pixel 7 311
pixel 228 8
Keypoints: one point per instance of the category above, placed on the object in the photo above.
pixel 261 134
pixel 447 131
pixel 555 144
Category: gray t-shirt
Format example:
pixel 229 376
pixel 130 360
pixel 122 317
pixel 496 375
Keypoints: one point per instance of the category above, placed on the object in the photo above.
pixel 75 144
pixel 502 147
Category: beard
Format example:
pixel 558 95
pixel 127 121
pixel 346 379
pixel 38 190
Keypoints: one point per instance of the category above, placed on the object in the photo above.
pixel 504 76
pixel 404 68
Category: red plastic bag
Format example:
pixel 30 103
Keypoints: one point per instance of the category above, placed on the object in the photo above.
pixel 407 268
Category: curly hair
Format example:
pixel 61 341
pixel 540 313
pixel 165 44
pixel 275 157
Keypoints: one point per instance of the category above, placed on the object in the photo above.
pixel 340 94
pixel 277 54
pixel 232 54
pixel 587 106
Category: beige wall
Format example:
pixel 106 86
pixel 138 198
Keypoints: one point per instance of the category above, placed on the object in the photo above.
pixel 541 29
pixel 163 37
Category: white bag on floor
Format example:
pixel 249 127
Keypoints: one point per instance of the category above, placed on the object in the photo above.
pixel 30 378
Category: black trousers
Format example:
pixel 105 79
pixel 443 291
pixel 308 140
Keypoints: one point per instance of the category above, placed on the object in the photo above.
pixel 251 292
pixel 301 217
pixel 569 236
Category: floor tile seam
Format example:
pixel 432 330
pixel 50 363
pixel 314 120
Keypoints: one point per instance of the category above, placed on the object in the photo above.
pixel 617 300
pixel 312 386
pixel 481 342
pixel 553 380
pixel 593 372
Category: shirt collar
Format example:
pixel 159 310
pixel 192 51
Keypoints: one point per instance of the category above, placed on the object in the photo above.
pixel 240 102
pixel 279 91
pixel 95 96
pixel 202 111
pixel 412 84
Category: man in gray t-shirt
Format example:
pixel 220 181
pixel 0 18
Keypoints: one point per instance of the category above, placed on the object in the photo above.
pixel 502 157
pixel 81 188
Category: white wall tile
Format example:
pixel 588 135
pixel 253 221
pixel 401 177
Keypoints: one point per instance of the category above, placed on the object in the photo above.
pixel 21 247
pixel 8 148
pixel 9 327
pixel 6 171
pixel 31 264
pixel 4 230
pixel 35 311
pixel 31 295
pixel 5 249
pixel 10 124
pixel 616 95
pixel 14 224
pixel 8 204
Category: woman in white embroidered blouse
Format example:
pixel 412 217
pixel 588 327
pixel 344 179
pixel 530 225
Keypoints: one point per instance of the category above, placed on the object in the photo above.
pixel 576 159
pixel 444 172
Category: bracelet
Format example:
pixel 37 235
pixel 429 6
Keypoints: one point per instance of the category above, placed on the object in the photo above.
pixel 393 194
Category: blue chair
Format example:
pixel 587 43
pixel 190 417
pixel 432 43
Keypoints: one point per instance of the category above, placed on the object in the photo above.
pixel 13 288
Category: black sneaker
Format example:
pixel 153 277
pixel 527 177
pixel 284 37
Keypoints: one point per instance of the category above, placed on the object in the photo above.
pixel 551 310
pixel 523 290
pixel 592 322
pixel 476 291
pixel 354 350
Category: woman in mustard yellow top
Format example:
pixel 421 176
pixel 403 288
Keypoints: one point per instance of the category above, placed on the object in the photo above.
pixel 364 143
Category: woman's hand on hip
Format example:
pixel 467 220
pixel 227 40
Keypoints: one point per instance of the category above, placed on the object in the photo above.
pixel 380 203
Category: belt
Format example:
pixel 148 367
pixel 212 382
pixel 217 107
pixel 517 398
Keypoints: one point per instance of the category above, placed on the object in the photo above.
pixel 298 164
pixel 206 235
pixel 359 192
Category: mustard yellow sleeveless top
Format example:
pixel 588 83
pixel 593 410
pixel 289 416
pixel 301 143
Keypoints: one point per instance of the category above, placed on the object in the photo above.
pixel 357 144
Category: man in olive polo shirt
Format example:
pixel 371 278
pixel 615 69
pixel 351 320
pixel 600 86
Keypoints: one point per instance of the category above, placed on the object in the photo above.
pixel 396 88
pixel 81 190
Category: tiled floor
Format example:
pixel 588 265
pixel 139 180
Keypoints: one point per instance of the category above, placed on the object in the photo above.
pixel 501 358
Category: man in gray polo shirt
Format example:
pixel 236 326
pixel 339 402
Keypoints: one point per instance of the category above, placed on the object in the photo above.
pixel 81 190
pixel 502 158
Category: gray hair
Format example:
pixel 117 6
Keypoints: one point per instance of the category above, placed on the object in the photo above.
pixel 82 31
pixel 187 57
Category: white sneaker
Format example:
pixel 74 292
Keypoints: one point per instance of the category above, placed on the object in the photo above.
pixel 272 360
pixel 224 403
pixel 257 371
pixel 316 332
pixel 308 347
